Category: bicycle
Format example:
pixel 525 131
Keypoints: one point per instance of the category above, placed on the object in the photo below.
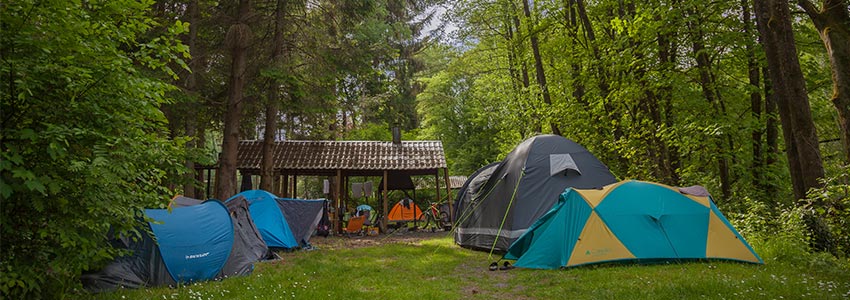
pixel 433 215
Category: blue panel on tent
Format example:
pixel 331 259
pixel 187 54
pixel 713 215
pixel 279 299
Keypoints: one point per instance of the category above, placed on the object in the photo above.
pixel 195 241
pixel 541 246
pixel 254 195
pixel 642 216
pixel 269 219
pixel 687 231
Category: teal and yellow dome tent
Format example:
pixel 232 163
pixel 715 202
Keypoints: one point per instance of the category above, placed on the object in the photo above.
pixel 630 221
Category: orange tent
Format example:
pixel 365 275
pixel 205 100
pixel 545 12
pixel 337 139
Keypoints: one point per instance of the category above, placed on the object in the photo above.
pixel 404 210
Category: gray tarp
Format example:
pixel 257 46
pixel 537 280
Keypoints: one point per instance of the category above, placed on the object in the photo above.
pixel 302 216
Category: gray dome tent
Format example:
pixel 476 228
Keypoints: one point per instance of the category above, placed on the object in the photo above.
pixel 500 201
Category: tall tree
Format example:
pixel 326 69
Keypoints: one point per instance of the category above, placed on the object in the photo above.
pixel 711 93
pixel 237 41
pixel 832 21
pixel 538 63
pixel 789 90
pixel 191 88
pixel 267 177
pixel 756 104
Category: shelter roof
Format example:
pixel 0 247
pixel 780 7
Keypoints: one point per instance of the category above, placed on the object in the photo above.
pixel 364 156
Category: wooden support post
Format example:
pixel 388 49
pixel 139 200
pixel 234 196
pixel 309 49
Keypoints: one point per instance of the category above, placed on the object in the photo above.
pixel 385 212
pixel 337 196
pixel 449 195
pixel 345 189
pixel 276 184
pixel 437 185
pixel 294 186
pixel 285 192
pixel 209 183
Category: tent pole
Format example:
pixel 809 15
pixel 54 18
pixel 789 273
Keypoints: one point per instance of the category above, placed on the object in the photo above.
pixel 384 218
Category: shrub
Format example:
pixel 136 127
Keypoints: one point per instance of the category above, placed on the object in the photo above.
pixel 83 141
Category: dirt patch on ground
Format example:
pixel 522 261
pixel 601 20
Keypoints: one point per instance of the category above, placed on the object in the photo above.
pixel 402 236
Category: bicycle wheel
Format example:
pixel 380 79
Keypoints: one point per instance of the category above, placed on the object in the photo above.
pixel 424 220
pixel 445 222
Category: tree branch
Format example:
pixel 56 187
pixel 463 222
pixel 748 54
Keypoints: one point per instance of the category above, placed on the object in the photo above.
pixel 812 11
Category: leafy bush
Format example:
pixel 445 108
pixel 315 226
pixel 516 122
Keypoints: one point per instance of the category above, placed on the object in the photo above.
pixel 780 234
pixel 831 204
pixel 776 233
pixel 83 141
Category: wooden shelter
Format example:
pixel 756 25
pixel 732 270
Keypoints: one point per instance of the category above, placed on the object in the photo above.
pixel 343 159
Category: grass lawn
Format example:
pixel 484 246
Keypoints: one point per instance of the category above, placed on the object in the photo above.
pixel 435 268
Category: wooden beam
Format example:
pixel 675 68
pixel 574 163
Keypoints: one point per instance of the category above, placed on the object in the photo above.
pixel 385 212
pixel 277 184
pixel 437 192
pixel 285 191
pixel 449 195
pixel 294 186
pixel 345 190
pixel 337 192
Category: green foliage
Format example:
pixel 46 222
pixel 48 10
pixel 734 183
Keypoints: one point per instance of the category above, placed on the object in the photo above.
pixel 778 233
pixel 83 141
pixel 831 203
pixel 451 113
pixel 370 132
pixel 661 91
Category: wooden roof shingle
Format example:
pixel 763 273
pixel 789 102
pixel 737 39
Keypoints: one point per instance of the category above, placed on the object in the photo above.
pixel 345 155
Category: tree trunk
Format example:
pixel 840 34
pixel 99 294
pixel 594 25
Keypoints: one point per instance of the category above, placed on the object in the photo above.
pixel 237 40
pixel 753 75
pixel 771 133
pixel 267 165
pixel 518 47
pixel 789 89
pixel 579 89
pixel 670 151
pixel 191 88
pixel 712 95
pixel 538 66
pixel 602 81
pixel 833 24
pixel 513 58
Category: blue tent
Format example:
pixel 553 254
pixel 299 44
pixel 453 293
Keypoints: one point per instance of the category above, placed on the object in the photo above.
pixel 191 243
pixel 269 219
pixel 191 254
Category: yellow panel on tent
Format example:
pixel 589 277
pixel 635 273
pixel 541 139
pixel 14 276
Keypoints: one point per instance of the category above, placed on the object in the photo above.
pixel 597 243
pixel 593 197
pixel 724 243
